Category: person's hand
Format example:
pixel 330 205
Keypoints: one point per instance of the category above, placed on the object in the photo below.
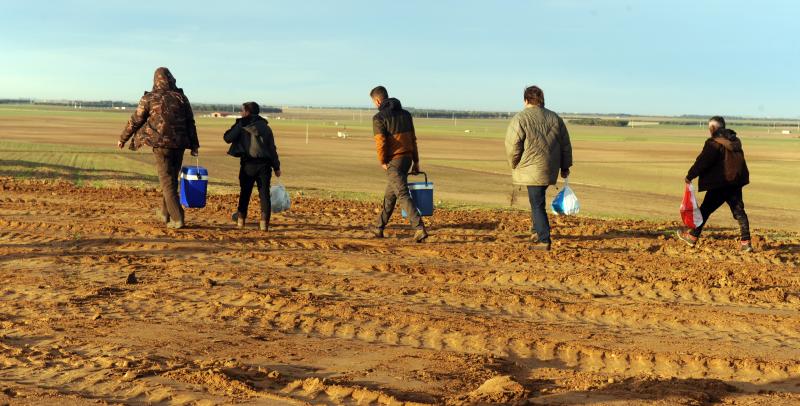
pixel 415 168
pixel 385 167
pixel 278 173
pixel 564 173
pixel 195 152
pixel 687 180
pixel 120 144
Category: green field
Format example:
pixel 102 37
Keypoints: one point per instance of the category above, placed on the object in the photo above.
pixel 632 172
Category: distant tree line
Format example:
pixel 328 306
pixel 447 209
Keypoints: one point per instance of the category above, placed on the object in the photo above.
pixel 93 104
pixel 107 104
pixel 733 121
pixel 15 101
pixel 599 122
pixel 430 113
pixel 232 108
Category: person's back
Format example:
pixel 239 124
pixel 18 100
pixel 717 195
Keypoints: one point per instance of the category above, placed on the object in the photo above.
pixel 257 141
pixel 253 142
pixel 394 132
pixel 396 145
pixel 164 117
pixel 721 163
pixel 545 145
pixel 164 121
pixel 723 173
pixel 538 148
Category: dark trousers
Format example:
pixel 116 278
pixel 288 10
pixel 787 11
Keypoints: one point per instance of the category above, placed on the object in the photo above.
pixel 168 165
pixel 539 221
pixel 397 189
pixel 714 199
pixel 261 175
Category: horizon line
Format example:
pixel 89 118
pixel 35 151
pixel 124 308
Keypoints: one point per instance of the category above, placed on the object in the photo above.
pixel 345 107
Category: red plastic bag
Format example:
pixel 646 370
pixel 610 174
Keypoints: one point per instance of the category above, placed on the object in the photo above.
pixel 690 211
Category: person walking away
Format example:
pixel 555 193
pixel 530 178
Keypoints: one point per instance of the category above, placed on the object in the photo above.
pixel 723 173
pixel 396 143
pixel 259 157
pixel 164 121
pixel 538 147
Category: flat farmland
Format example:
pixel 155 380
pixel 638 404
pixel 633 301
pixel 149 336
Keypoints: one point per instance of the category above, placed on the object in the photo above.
pixel 618 173
pixel 99 303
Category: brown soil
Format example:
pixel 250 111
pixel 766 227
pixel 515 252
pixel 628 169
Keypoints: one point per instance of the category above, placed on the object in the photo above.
pixel 100 303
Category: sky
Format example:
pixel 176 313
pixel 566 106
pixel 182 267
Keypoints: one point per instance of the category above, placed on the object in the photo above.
pixel 639 57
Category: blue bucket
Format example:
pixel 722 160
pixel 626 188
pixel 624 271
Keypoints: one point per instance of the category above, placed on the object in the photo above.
pixel 194 186
pixel 422 196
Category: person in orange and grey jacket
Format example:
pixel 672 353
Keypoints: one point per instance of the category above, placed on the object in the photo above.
pixel 396 143
pixel 164 121
pixel 252 141
pixel 723 173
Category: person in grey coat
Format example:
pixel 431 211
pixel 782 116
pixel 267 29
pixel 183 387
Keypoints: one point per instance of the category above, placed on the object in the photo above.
pixel 538 147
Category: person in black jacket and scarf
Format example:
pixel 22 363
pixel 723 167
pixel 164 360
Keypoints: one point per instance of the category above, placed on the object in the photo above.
pixel 723 173
pixel 252 141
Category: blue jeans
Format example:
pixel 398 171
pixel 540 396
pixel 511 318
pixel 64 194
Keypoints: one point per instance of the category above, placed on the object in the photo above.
pixel 538 212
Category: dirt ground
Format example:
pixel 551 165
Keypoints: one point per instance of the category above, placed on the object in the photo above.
pixel 101 304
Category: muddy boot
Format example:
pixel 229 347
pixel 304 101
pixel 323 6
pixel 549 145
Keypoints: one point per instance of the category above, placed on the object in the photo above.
pixel 177 224
pixel 263 224
pixel 539 246
pixel 420 235
pixel 164 218
pixel 687 238
pixel 376 232
pixel 239 219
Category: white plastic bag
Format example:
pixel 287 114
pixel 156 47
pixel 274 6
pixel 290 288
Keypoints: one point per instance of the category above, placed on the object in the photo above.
pixel 279 198
pixel 565 202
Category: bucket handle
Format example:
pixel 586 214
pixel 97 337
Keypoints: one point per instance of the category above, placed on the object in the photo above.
pixel 421 173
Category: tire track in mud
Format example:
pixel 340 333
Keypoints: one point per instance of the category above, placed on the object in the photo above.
pixel 472 289
pixel 417 331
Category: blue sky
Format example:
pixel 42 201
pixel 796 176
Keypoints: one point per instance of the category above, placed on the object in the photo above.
pixel 642 57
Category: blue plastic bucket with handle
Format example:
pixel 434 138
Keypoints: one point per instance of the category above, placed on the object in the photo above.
pixel 422 196
pixel 194 186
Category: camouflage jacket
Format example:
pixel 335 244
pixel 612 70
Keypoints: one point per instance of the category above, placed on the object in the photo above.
pixel 164 117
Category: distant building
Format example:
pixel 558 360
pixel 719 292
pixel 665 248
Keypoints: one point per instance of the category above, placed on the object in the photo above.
pixel 220 114
pixel 786 132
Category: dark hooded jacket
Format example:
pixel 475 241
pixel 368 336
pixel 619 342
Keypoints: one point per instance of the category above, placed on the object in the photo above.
pixel 721 163
pixel 252 140
pixel 164 117
pixel 394 132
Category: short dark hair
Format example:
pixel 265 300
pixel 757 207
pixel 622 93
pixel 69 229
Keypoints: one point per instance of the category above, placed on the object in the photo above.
pixel 251 107
pixel 379 92
pixel 718 120
pixel 534 95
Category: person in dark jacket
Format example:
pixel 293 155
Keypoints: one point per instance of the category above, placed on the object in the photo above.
pixel 253 142
pixel 396 144
pixel 164 121
pixel 723 173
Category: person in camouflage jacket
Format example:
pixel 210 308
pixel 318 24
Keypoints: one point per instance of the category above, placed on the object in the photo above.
pixel 164 121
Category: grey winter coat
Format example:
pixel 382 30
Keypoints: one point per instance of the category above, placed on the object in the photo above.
pixel 537 147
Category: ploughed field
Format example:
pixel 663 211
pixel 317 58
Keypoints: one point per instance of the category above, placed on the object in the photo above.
pixel 100 303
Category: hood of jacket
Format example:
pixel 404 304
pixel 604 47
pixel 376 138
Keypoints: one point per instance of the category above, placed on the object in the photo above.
pixel 163 80
pixel 250 120
pixel 728 139
pixel 390 104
